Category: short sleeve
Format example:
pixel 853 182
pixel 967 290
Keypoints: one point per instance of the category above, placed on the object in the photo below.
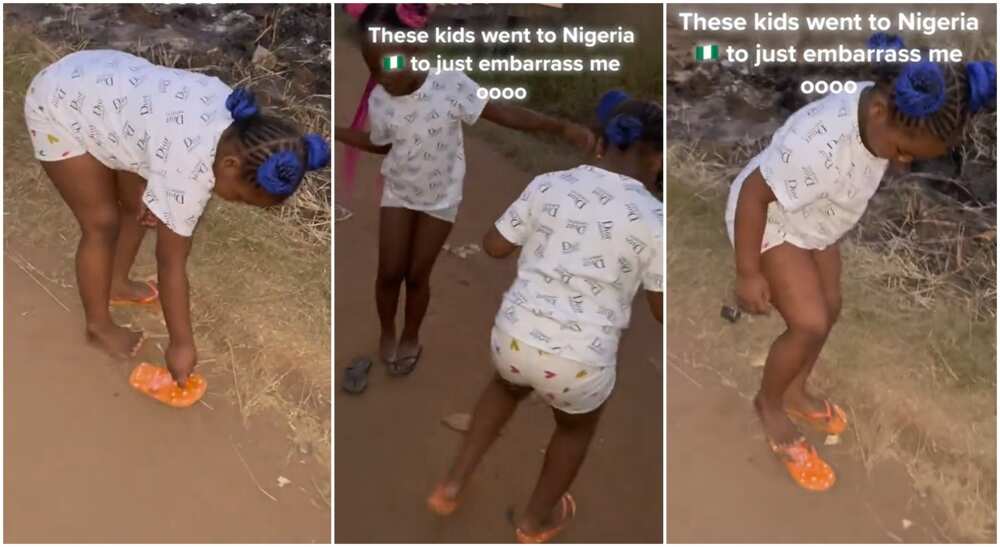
pixel 797 164
pixel 379 134
pixel 652 275
pixel 517 222
pixel 469 99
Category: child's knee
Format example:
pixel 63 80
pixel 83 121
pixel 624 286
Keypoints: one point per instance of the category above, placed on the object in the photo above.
pixel 102 223
pixel 390 277
pixel 417 280
pixel 812 329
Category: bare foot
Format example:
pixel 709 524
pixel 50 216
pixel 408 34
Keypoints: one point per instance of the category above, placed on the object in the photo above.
pixel 131 291
pixel 556 517
pixel 777 426
pixel 117 341
pixel 387 346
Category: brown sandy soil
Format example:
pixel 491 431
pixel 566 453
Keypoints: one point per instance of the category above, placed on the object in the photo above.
pixel 724 486
pixel 389 445
pixel 88 459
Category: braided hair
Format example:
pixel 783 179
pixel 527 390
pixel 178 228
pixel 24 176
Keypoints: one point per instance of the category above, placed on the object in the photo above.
pixel 275 153
pixel 936 98
pixel 624 121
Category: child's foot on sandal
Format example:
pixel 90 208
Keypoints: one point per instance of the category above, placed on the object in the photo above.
pixel 543 532
pixel 115 340
pixel 820 414
pixel 407 356
pixel 443 501
pixel 134 292
pixel 777 426
pixel 387 347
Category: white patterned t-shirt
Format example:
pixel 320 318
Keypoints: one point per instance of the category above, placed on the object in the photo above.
pixel 426 164
pixel 161 123
pixel 821 173
pixel 589 239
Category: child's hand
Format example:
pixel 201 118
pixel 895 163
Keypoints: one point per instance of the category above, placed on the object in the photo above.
pixel 753 293
pixel 181 361
pixel 146 218
pixel 579 136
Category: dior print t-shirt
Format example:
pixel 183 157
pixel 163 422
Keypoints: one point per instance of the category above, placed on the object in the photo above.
pixel 820 171
pixel 590 238
pixel 426 164
pixel 161 123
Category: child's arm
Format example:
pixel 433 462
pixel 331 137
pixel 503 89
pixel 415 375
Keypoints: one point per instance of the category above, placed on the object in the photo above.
pixel 751 217
pixel 655 300
pixel 523 119
pixel 359 139
pixel 496 245
pixel 171 263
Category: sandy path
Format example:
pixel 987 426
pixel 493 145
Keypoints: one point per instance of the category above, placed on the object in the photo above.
pixel 389 446
pixel 87 459
pixel 723 484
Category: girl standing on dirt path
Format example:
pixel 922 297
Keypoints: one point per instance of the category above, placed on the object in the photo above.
pixel 416 121
pixel 131 145
pixel 591 236
pixel 791 205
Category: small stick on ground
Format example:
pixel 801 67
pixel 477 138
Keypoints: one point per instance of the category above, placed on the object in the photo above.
pixel 252 477
pixel 686 375
pixel 236 381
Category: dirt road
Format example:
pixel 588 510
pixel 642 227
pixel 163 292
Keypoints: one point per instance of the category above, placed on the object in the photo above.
pixel 723 484
pixel 389 445
pixel 87 459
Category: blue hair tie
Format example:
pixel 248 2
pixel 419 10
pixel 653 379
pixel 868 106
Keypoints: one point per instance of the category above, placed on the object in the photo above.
pixel 608 103
pixel 883 40
pixel 317 151
pixel 623 130
pixel 982 85
pixel 280 174
pixel 920 89
pixel 242 104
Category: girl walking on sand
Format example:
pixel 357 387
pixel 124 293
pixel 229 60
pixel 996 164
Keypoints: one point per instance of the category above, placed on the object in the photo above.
pixel 792 204
pixel 588 238
pixel 129 145
pixel 416 122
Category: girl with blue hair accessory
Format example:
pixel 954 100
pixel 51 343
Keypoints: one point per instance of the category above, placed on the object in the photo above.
pixel 130 145
pixel 793 203
pixel 590 237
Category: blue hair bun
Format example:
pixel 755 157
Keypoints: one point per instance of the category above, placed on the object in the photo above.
pixel 280 174
pixel 884 40
pixel 317 151
pixel 609 101
pixel 920 89
pixel 982 85
pixel 623 130
pixel 242 104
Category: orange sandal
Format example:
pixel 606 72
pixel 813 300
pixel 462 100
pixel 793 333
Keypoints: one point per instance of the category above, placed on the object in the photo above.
pixel 832 422
pixel 568 505
pixel 804 465
pixel 159 384
pixel 151 299
pixel 440 504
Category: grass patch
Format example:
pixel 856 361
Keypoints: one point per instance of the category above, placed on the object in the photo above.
pixel 260 279
pixel 916 374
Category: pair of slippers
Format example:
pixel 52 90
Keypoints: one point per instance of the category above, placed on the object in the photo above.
pixel 157 382
pixel 356 374
pixel 442 505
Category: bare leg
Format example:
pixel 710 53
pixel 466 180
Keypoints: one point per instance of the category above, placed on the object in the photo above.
pixel 829 263
pixel 88 187
pixel 396 230
pixel 495 407
pixel 797 293
pixel 129 187
pixel 563 458
pixel 428 239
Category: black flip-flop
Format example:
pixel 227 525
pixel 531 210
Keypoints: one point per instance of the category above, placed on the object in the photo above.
pixel 405 365
pixel 356 375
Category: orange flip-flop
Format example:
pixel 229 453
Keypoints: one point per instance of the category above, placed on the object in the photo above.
pixel 568 506
pixel 440 504
pixel 151 299
pixel 159 384
pixel 832 421
pixel 804 465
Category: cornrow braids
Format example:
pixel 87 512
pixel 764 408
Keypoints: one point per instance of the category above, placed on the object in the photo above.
pixel 624 120
pixel 948 121
pixel 262 136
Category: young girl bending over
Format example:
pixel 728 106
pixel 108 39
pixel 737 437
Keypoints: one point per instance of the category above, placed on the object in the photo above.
pixel 792 204
pixel 589 237
pixel 130 145
pixel 416 121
